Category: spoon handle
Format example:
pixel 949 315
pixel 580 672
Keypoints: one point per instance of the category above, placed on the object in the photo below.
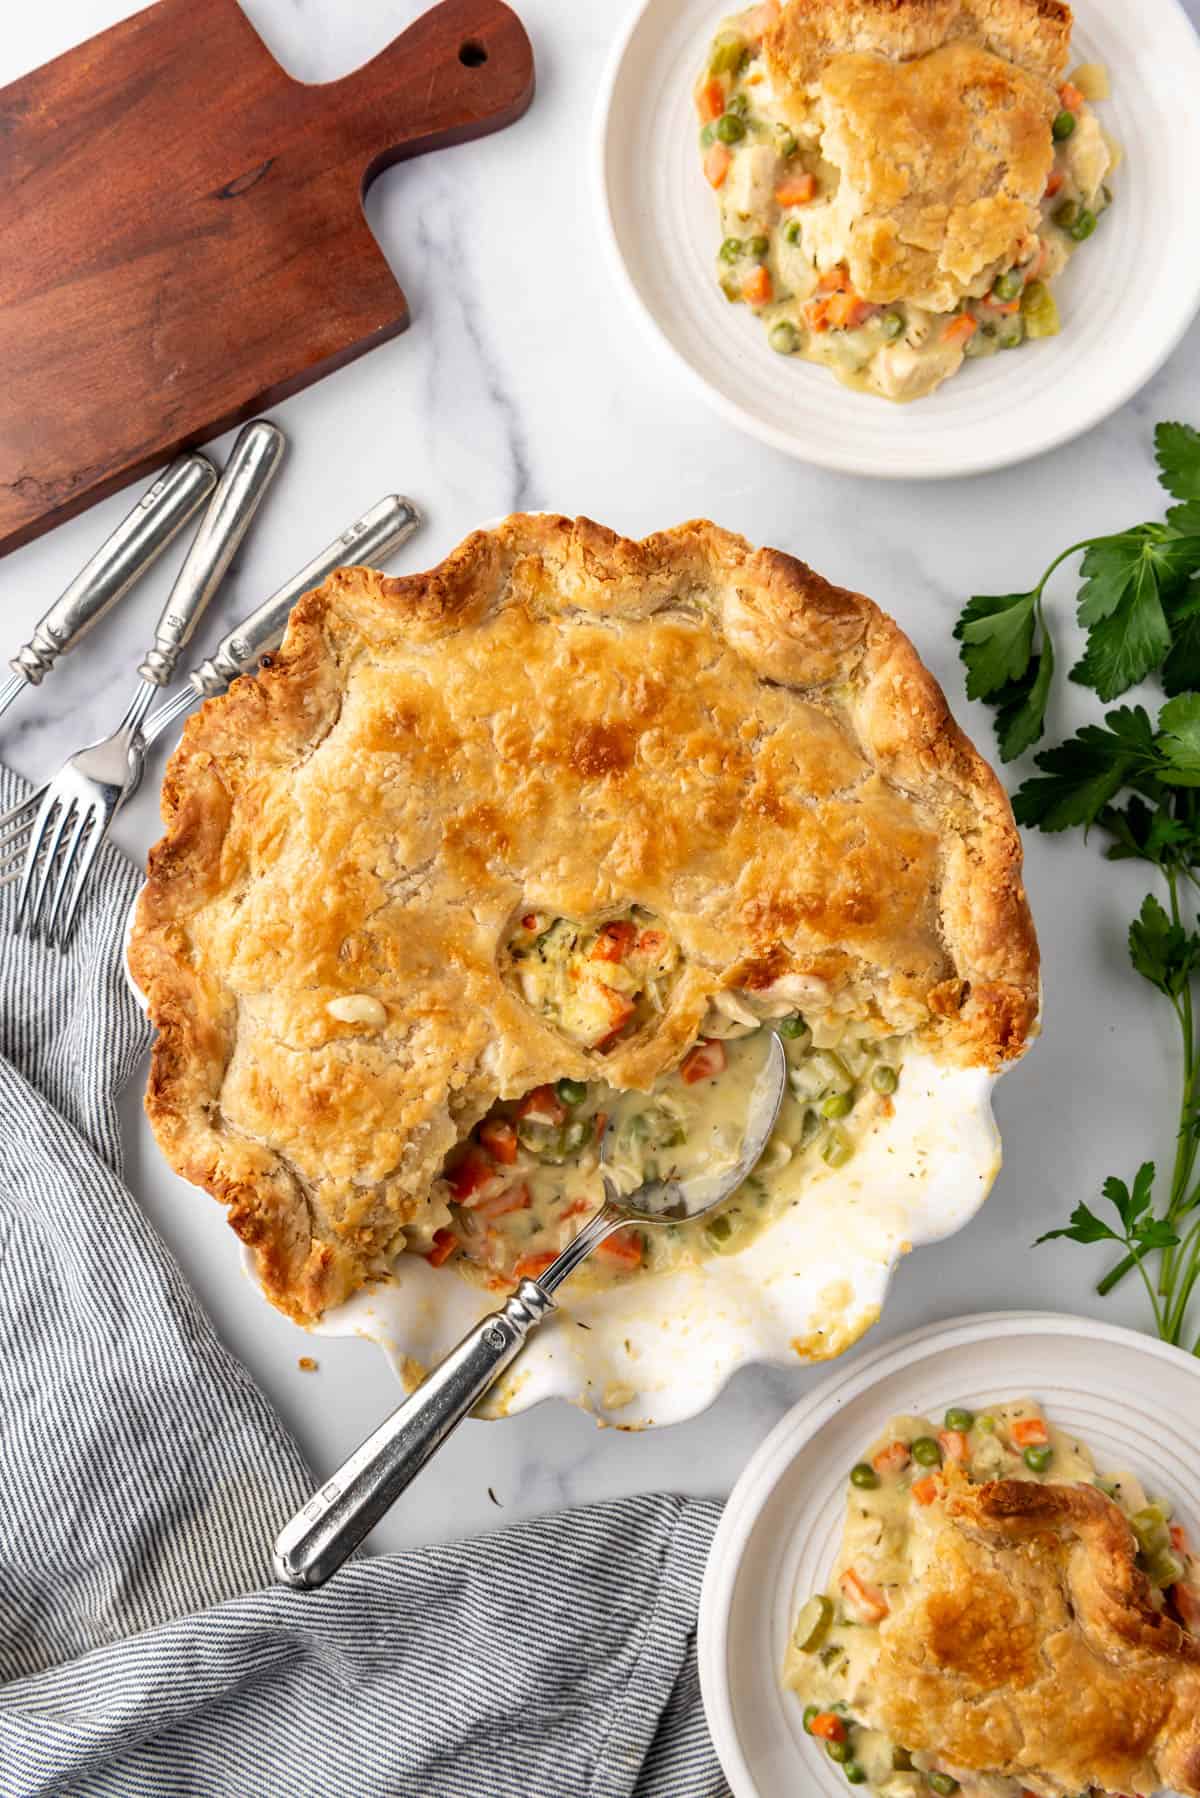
pixel 348 1506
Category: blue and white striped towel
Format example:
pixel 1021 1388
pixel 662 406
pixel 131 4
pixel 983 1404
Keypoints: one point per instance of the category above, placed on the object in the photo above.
pixel 143 1649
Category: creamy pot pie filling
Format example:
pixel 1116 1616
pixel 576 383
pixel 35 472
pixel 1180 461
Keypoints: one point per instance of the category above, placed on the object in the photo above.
pixel 835 1644
pixel 784 229
pixel 519 1188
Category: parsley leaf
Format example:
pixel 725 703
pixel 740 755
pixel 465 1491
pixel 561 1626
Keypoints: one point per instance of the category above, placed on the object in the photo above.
pixel 1177 450
pixel 1121 604
pixel 1181 670
pixel 1084 774
pixel 1162 952
pixel 1140 1230
pixel 1021 713
pixel 1148 836
pixel 1179 740
pixel 996 634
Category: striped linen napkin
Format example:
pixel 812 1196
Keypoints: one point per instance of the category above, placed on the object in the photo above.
pixel 143 1649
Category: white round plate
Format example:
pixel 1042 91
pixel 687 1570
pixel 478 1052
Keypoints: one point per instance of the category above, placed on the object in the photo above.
pixel 1126 299
pixel 1133 1400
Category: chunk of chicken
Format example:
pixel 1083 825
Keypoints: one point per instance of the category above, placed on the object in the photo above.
pixel 901 372
pixel 750 190
pixel 1088 156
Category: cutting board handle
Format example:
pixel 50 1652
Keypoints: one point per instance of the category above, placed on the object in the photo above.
pixel 462 69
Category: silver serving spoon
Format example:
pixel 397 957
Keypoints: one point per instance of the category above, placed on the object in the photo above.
pixel 349 1505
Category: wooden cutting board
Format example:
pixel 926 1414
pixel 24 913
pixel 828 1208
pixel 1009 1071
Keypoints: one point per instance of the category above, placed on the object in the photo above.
pixel 182 239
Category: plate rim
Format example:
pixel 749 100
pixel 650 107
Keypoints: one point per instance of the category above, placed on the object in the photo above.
pixel 787 443
pixel 795 1429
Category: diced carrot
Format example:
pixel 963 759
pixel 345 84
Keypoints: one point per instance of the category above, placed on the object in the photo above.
pixel 499 1139
pixel 652 942
pixel 1055 184
pixel 620 1010
pixel 892 1458
pixel 868 1600
pixel 472 1175
pixel 843 311
pixel 835 280
pixel 1179 1541
pixel 529 921
pixel 530 1266
pixel 576 1208
pixel 828 1727
pixel 500 1204
pixel 954 1445
pixel 961 329
pixel 1007 307
pixel 704 1062
pixel 816 315
pixel 710 101
pixel 444 1244
pixel 717 159
pixel 756 288
pixel 614 941
pixel 759 20
pixel 1071 96
pixel 796 190
pixel 625 1248
pixel 542 1106
pixel 1030 1432
pixel 600 1124
pixel 925 1490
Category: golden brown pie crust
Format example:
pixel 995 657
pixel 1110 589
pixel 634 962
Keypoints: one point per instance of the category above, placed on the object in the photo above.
pixel 937 114
pixel 553 718
pixel 1030 1646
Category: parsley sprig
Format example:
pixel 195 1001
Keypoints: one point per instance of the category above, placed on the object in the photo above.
pixel 1137 780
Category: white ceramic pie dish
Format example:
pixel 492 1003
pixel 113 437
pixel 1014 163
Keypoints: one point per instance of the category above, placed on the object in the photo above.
pixel 1127 1395
pixel 659 1350
pixel 1127 298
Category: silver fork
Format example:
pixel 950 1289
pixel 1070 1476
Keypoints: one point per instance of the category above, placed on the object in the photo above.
pixel 73 812
pixel 372 538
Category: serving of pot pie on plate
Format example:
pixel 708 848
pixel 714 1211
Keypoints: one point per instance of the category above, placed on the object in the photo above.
pixel 900 182
pixel 550 836
pixel 1003 1619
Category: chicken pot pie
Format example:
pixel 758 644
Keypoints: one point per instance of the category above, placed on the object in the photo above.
pixel 1002 1621
pixel 552 831
pixel 900 181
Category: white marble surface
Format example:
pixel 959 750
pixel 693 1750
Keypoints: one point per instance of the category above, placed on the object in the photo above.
pixel 525 381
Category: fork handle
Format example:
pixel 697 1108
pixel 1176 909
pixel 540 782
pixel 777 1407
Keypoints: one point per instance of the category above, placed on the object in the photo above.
pixel 389 523
pixel 239 493
pixel 348 1506
pixel 122 559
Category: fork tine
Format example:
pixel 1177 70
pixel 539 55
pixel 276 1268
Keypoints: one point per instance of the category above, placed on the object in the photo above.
pixel 66 812
pixel 92 849
pixel 45 813
pixel 64 876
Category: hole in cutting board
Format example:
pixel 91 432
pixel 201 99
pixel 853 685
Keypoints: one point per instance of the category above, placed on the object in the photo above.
pixel 473 55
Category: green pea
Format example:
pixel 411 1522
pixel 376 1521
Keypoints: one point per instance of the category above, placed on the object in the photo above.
pixel 792 230
pixel 987 1423
pixel 838 1751
pixel 864 1476
pixel 719 1229
pixel 1063 125
pixel 893 325
pixel 784 338
pixel 884 1079
pixel 731 249
pixel 838 1149
pixel 1066 214
pixel 855 1775
pixel 707 134
pixel 1013 334
pixel 731 129
pixel 729 55
pixel 1009 285
pixel 943 1784
pixel 758 246
pixel 926 1452
pixel 959 1419
pixel 1084 225
pixel 788 145
pixel 792 1027
pixel 1039 309
pixel 1038 1459
pixel 571 1092
pixel 738 103
pixel 810 1711
pixel 837 1105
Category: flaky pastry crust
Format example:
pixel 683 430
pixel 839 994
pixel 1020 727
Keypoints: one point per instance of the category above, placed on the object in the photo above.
pixel 1027 1644
pixel 937 115
pixel 553 718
